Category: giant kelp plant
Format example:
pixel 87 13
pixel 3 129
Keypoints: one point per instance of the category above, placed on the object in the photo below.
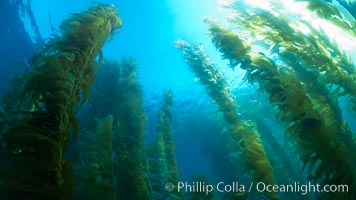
pixel 309 122
pixel 99 105
pixel 130 169
pixel 287 168
pixel 164 165
pixel 95 168
pixel 243 132
pixel 34 141
pixel 164 128
pixel 301 46
pixel 132 179
pixel 326 71
pixel 157 167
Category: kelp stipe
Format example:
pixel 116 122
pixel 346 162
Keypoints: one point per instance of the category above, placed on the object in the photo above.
pixel 157 166
pixel 96 164
pixel 164 127
pixel 132 182
pixel 307 127
pixel 243 132
pixel 119 81
pixel 164 165
pixel 34 166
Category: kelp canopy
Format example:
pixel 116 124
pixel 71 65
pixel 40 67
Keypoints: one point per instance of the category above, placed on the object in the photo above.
pixel 47 98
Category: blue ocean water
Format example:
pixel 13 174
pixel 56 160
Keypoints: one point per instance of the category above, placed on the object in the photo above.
pixel 148 33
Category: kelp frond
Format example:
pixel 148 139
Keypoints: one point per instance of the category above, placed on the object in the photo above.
pixel 130 155
pixel 165 143
pixel 248 139
pixel 96 178
pixel 49 97
pixel 308 127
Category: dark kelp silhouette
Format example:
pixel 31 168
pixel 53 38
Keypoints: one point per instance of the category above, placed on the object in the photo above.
pixel 123 150
pixel 95 169
pixel 163 164
pixel 35 140
pixel 130 163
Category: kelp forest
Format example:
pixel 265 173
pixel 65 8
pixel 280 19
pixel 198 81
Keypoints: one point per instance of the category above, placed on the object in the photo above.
pixel 76 126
